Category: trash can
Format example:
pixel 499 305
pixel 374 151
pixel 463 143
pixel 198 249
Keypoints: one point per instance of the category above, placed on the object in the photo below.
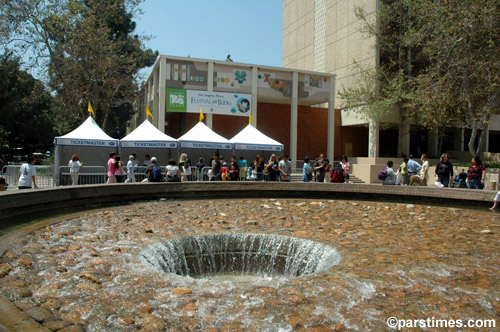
pixel 492 185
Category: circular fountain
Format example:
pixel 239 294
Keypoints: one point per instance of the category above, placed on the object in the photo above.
pixel 240 254
pixel 265 265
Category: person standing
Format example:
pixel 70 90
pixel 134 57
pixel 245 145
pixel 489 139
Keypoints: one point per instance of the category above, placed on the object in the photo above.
pixel 444 170
pixel 412 166
pixel 184 167
pixel 200 165
pixel 118 169
pixel 285 168
pixel 242 164
pixel 319 167
pixel 476 174
pixel 130 169
pixel 27 174
pixel 258 166
pixel 273 168
pixel 421 177
pixel 234 169
pixel 306 170
pixel 147 161
pixel 111 168
pixel 74 168
pixel 216 168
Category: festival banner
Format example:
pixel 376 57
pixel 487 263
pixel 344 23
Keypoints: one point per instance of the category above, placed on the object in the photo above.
pixel 191 101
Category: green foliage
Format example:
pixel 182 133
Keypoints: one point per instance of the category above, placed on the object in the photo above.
pixel 25 107
pixel 439 64
pixel 89 53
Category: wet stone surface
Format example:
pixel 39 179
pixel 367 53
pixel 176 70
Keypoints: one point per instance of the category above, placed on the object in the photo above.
pixel 406 261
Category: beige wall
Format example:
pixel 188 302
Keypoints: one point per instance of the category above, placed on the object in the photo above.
pixel 326 33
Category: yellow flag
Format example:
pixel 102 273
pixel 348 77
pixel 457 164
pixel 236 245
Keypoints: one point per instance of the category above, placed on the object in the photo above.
pixel 250 119
pixel 148 112
pixel 201 115
pixel 91 111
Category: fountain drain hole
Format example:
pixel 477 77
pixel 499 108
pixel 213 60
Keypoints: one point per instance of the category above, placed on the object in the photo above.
pixel 240 254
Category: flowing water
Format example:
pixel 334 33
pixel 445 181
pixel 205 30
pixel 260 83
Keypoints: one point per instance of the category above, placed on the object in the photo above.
pixel 257 265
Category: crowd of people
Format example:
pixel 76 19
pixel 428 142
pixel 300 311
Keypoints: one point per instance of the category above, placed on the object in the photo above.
pixel 410 172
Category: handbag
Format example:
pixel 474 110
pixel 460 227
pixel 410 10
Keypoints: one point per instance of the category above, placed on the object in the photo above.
pixel 186 170
pixel 254 174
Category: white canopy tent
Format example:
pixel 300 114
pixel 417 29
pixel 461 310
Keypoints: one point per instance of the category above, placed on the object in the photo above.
pixel 204 141
pixel 89 141
pixel 250 141
pixel 147 139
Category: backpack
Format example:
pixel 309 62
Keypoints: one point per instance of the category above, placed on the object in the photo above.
pixel 157 174
pixel 338 175
pixel 382 174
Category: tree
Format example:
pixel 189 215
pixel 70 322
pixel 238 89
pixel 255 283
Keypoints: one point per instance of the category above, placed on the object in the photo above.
pixel 25 108
pixel 89 52
pixel 462 84
pixel 439 64
pixel 387 86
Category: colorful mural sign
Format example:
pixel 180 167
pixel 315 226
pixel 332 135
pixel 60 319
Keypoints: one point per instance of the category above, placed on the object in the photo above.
pixel 191 101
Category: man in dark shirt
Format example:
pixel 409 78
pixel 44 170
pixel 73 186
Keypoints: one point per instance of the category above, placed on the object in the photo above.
pixel 216 166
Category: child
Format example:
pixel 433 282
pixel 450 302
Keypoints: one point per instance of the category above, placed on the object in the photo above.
pixel 224 171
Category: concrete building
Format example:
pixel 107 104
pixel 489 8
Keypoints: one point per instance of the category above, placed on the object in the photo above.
pixel 287 105
pixel 326 36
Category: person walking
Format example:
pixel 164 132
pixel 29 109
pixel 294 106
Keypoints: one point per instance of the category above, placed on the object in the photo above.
pixel 111 168
pixel 130 169
pixel 74 169
pixel 444 170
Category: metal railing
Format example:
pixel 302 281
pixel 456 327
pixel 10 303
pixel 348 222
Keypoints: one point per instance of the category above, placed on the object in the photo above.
pixel 86 175
pixel 43 176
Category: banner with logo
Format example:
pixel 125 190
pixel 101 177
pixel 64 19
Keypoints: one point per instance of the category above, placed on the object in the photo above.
pixel 86 142
pixel 190 101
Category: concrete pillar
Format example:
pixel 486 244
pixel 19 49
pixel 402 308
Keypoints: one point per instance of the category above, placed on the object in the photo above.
pixel 373 138
pixel 432 143
pixel 154 95
pixel 404 135
pixel 330 146
pixel 294 111
pixel 253 106
pixel 162 94
pixel 210 88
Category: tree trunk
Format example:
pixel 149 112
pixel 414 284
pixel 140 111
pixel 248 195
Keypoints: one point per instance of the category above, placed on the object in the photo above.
pixel 472 139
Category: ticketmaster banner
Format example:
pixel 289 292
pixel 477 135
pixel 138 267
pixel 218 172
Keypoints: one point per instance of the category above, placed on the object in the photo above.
pixel 205 145
pixel 86 142
pixel 148 144
pixel 191 101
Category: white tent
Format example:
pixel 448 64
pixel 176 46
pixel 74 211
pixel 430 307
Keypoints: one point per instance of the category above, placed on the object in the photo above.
pixel 200 138
pixel 250 141
pixel 147 139
pixel 89 141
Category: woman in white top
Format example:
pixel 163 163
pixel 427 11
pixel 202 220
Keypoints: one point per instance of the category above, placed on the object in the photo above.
pixel 74 168
pixel 421 177
pixel 172 171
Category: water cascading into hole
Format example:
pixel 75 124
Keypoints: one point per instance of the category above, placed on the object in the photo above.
pixel 240 254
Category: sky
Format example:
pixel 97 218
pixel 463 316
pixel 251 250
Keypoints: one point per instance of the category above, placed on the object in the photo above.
pixel 251 31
